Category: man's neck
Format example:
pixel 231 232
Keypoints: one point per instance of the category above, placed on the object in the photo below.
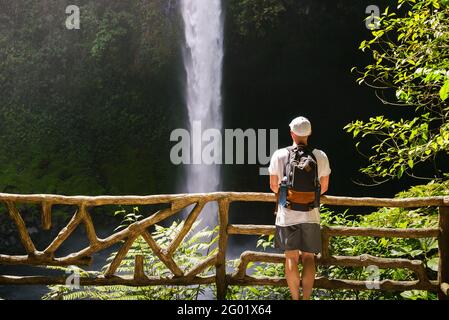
pixel 303 143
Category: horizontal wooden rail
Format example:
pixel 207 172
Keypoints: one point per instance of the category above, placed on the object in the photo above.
pixel 417 266
pixel 342 231
pixel 383 232
pixel 386 202
pixel 251 229
pixel 324 283
pixel 215 196
pixel 103 281
pixel 42 259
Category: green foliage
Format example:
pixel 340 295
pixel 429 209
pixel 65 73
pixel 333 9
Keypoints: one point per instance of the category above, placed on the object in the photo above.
pixel 256 17
pixel 81 109
pixel 432 189
pixel 425 249
pixel 197 246
pixel 410 59
pixel 261 269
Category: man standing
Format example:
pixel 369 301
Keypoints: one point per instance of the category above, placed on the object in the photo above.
pixel 298 169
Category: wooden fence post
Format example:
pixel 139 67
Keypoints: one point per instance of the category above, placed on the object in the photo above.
pixel 139 272
pixel 443 248
pixel 325 243
pixel 46 215
pixel 220 266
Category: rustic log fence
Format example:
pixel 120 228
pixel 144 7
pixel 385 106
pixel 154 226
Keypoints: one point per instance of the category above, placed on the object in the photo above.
pixel 222 280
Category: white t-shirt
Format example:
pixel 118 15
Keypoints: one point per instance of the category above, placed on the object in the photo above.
pixel 286 217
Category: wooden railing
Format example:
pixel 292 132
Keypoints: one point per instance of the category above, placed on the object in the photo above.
pixel 221 278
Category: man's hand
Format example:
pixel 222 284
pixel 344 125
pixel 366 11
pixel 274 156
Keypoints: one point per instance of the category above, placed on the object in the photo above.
pixel 274 183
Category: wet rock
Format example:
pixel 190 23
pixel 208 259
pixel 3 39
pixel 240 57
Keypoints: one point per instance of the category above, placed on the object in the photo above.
pixel 12 240
pixel 28 218
pixel 32 230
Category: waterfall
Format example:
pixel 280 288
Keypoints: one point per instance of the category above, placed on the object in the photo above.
pixel 203 58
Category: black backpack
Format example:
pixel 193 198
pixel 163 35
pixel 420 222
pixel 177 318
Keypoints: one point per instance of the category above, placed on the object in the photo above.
pixel 303 183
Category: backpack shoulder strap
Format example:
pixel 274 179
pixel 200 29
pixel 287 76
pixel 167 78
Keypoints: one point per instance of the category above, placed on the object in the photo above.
pixel 316 167
pixel 290 150
pixel 311 150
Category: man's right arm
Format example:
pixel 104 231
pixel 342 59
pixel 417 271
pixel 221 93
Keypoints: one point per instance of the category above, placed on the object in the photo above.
pixel 274 183
pixel 273 170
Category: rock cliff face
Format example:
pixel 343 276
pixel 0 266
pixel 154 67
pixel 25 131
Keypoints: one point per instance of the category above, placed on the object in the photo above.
pixel 295 59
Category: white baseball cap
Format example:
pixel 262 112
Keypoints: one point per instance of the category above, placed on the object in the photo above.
pixel 301 127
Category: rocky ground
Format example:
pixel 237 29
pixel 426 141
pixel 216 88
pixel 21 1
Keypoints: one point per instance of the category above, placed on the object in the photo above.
pixel 9 238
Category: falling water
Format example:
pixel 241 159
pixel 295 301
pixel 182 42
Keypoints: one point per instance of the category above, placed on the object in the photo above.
pixel 203 57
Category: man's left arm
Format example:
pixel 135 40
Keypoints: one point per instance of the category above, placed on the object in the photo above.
pixel 324 171
pixel 273 170
pixel 324 181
